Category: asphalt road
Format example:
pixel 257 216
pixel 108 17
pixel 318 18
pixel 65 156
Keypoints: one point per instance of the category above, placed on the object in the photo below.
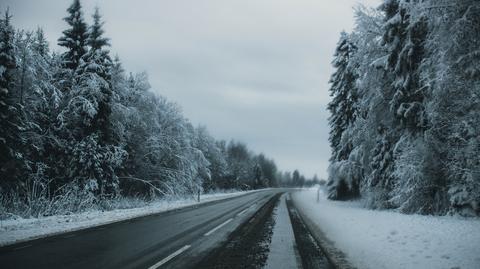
pixel 175 239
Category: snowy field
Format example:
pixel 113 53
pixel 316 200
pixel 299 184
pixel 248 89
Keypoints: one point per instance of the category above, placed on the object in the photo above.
pixel 13 231
pixel 386 239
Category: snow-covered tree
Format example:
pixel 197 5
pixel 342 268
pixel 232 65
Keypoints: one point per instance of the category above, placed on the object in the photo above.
pixel 344 97
pixel 213 154
pixel 404 34
pixel 76 131
pixel 11 111
pixel 412 143
pixel 453 110
pixel 96 64
pixel 74 39
pixel 343 109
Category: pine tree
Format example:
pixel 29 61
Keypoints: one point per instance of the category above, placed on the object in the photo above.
pixel 74 38
pixel 118 79
pixel 40 43
pixel 97 63
pixel 10 109
pixel 344 97
pixel 404 37
pixel 381 180
pixel 343 109
pixel 96 40
pixel 455 104
pixel 87 117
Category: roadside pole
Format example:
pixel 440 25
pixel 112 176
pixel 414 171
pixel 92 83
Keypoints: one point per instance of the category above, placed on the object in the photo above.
pixel 318 194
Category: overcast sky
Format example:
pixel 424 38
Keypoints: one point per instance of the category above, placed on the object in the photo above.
pixel 252 70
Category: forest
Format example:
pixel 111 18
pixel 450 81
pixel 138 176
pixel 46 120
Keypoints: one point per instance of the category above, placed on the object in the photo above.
pixel 405 109
pixel 78 131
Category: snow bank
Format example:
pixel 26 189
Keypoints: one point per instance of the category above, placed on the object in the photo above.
pixel 387 239
pixel 14 231
pixel 283 249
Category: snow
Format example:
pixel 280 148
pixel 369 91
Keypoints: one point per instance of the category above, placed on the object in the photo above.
pixel 388 239
pixel 20 230
pixel 282 248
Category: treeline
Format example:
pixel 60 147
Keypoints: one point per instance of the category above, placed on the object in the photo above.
pixel 76 129
pixel 405 113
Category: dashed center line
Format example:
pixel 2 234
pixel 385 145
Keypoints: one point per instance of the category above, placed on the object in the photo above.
pixel 243 211
pixel 184 248
pixel 218 227
pixel 169 257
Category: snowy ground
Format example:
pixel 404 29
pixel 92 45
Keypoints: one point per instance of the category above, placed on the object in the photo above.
pixel 13 231
pixel 386 239
pixel 283 252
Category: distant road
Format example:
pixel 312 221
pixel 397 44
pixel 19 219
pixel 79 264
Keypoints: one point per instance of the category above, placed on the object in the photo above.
pixel 175 239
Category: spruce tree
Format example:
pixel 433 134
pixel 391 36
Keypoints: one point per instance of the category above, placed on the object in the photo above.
pixel 97 62
pixel 403 38
pixel 10 120
pixel 87 118
pixel 96 40
pixel 74 38
pixel 40 44
pixel 344 97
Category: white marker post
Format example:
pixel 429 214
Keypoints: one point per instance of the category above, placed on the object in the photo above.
pixel 318 194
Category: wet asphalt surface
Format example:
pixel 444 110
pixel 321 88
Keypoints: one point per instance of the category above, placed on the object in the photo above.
pixel 231 233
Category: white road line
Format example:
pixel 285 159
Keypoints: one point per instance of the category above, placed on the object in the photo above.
pixel 218 227
pixel 169 257
pixel 26 246
pixel 243 211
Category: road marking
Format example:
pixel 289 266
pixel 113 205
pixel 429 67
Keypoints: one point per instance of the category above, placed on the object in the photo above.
pixel 218 227
pixel 169 257
pixel 243 211
pixel 26 246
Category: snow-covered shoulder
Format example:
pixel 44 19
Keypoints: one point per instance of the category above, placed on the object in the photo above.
pixel 19 230
pixel 387 239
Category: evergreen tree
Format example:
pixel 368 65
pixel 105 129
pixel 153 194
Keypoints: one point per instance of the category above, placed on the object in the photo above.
pixel 96 40
pixel 344 97
pixel 96 64
pixel 10 110
pixel 404 38
pixel 74 38
pixel 118 79
pixel 343 109
pixel 40 44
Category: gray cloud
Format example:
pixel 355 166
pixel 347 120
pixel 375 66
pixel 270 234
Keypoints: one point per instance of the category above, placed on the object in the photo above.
pixel 253 70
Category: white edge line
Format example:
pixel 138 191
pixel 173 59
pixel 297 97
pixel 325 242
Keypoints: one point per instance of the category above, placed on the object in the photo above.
pixel 218 227
pixel 169 257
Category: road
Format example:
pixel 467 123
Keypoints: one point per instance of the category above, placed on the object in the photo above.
pixel 175 239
